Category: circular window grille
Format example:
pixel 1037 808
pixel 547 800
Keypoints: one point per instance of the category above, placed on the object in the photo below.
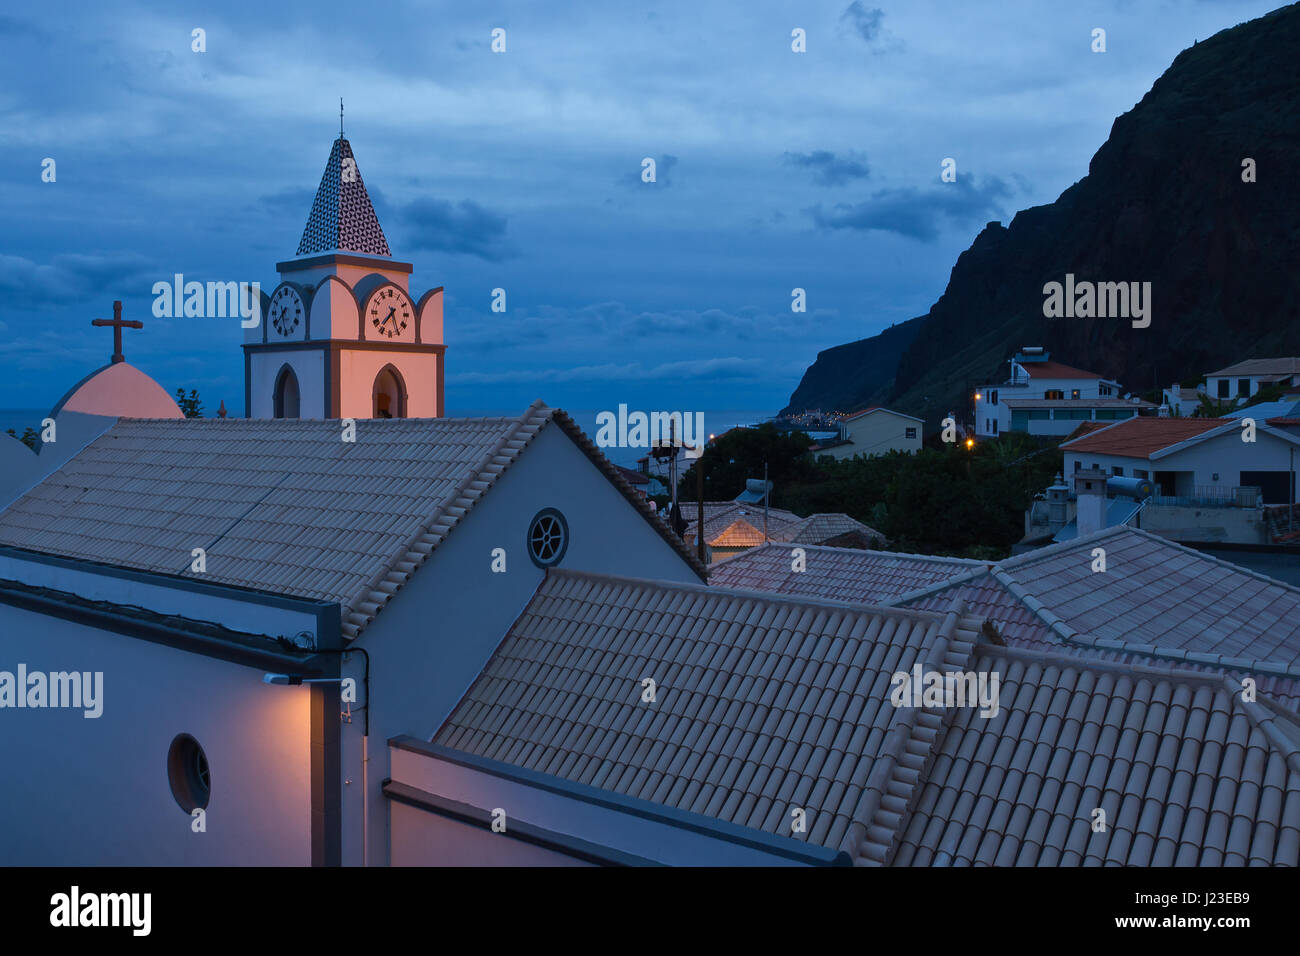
pixel 548 538
pixel 188 774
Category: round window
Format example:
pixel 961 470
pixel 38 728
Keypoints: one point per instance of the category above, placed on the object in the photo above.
pixel 548 538
pixel 187 772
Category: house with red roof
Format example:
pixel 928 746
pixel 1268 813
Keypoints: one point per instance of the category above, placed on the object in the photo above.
pixel 1194 458
pixel 1043 397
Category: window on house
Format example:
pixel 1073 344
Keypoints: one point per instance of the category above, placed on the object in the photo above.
pixel 993 397
pixel 1078 465
pixel 1223 388
pixel 1243 387
pixel 1117 471
pixel 548 538
pixel 1053 394
pixel 187 772
pixel 1074 393
pixel 995 426
pixel 1140 473
pixel 911 433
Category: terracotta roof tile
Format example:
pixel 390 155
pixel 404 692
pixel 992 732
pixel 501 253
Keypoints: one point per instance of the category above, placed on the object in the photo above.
pixel 1143 436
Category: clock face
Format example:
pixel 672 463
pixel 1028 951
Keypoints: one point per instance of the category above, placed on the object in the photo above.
pixel 286 310
pixel 390 311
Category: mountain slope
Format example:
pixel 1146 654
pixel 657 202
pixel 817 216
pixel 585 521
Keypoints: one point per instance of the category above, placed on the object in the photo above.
pixel 1163 202
pixel 848 377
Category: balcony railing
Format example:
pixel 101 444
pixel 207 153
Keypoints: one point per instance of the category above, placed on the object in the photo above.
pixel 1214 496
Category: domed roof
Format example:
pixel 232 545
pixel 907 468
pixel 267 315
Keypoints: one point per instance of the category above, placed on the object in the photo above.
pixel 120 390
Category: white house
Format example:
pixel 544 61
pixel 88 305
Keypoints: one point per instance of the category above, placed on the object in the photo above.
pixel 1244 379
pixel 873 431
pixel 1043 397
pixel 1192 457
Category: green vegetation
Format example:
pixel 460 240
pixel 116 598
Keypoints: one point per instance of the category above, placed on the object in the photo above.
pixel 192 406
pixel 947 500
pixel 29 437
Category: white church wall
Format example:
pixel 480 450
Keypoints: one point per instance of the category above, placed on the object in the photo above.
pixel 94 791
pixel 307 364
pixel 431 642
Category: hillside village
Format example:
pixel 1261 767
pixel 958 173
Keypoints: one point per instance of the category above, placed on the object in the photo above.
pixel 345 629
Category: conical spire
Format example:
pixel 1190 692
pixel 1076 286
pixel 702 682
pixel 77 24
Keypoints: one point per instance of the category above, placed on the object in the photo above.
pixel 342 216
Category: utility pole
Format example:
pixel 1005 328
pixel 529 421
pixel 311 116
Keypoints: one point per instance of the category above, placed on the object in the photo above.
pixel 766 494
pixel 699 500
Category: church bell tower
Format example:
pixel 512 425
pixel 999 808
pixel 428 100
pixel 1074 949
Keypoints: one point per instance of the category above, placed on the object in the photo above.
pixel 341 335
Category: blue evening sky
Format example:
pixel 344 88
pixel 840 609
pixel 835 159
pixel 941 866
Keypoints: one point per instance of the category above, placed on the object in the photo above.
pixel 522 170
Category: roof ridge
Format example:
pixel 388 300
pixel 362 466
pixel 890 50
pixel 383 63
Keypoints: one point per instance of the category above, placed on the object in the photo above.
pixel 1051 550
pixel 939 586
pixel 428 536
pixel 1172 655
pixel 857 840
pixel 805 601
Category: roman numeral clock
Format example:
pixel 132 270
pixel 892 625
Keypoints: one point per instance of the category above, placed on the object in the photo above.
pixel 390 311
pixel 341 336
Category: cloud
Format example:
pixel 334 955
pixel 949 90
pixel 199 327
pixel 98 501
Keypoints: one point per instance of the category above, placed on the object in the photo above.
pixel 729 369
pixel 73 277
pixel 916 213
pixel 829 169
pixel 866 23
pixel 464 227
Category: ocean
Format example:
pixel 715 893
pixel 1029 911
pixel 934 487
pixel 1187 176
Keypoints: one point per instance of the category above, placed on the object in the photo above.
pixel 715 422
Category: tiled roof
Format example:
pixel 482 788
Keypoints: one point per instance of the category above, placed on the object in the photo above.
pixel 1186 773
pixel 1142 437
pixel 342 216
pixel 765 704
pixel 840 574
pixel 284 505
pixel 762 703
pixel 722 518
pixel 1156 602
pixel 878 408
pixel 818 528
pixel 1055 370
pixel 1268 366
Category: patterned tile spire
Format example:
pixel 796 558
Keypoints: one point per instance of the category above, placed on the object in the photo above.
pixel 342 216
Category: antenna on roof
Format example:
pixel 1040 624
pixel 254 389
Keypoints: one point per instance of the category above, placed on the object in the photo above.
pixel 340 117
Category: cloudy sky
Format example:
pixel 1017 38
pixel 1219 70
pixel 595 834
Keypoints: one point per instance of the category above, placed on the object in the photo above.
pixel 522 170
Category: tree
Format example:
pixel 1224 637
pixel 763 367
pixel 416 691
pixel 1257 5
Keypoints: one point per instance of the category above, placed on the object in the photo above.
pixel 192 406
pixel 29 437
pixel 739 454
